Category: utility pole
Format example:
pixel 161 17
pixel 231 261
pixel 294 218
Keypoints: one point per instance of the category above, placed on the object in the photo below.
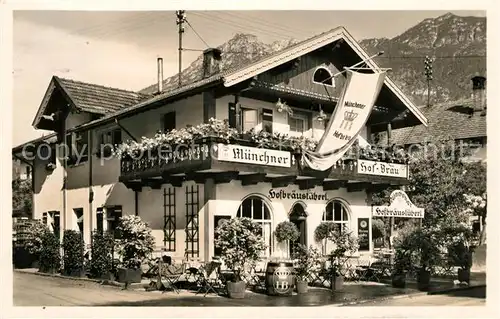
pixel 428 74
pixel 181 18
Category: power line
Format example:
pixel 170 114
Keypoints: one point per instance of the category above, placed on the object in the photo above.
pixel 199 36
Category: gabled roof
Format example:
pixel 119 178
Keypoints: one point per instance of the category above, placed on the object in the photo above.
pixel 239 73
pixel 87 97
pixel 448 120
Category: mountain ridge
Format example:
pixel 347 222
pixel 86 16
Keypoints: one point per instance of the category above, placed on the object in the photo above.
pixel 457 45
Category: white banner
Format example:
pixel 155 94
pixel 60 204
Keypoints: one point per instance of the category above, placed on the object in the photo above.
pixel 253 155
pixel 349 117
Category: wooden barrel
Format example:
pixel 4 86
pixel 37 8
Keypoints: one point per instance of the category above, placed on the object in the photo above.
pixel 280 278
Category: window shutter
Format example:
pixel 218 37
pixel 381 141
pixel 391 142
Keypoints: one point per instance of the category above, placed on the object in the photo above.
pixel 267 120
pixel 232 114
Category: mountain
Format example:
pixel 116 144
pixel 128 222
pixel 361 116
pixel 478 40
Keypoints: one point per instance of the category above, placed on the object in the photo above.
pixel 458 45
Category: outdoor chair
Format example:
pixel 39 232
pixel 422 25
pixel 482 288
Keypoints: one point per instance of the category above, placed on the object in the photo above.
pixel 171 272
pixel 209 279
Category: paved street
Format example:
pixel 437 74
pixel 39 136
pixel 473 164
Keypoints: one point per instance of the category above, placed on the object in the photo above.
pixel 473 297
pixel 34 290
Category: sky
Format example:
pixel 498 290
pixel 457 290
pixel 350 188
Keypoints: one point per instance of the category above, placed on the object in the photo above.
pixel 119 49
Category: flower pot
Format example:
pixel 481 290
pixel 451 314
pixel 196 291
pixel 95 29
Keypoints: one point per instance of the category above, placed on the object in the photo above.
pixel 423 280
pixel 337 282
pixel 35 264
pixel 301 286
pixel 399 280
pixel 464 275
pixel 236 290
pixel 127 275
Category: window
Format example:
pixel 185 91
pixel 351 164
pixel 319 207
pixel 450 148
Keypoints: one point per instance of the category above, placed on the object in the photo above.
pixel 168 121
pixel 255 208
pixel 77 146
pixel 336 212
pixel 298 123
pixel 323 76
pixel 100 219
pixel 79 219
pixel 111 137
pixel 55 222
pixel 250 119
pixel 113 215
pixel 44 218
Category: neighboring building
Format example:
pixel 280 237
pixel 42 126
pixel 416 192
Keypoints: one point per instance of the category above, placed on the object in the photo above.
pixel 20 170
pixel 184 199
pixel 463 121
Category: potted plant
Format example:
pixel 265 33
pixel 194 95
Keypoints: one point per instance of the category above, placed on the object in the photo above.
pixel 50 256
pixel 306 260
pixel 134 243
pixel 344 244
pixel 101 260
pixel 402 264
pixel 424 246
pixel 241 244
pixel 286 232
pixel 73 253
pixel 458 242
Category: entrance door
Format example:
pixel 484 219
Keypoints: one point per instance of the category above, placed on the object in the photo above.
pixel 298 216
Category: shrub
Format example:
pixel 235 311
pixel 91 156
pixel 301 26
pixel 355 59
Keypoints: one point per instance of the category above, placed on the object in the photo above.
pixel 241 243
pixel 378 229
pixel 73 251
pixel 134 241
pixel 307 260
pixel 286 231
pixel 101 254
pixel 50 255
pixel 33 241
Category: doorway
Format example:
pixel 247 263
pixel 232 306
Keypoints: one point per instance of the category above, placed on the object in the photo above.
pixel 298 216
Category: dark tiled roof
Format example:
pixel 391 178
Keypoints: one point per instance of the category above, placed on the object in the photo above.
pixel 445 121
pixel 99 99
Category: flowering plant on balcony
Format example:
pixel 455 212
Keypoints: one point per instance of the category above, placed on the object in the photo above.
pixel 215 129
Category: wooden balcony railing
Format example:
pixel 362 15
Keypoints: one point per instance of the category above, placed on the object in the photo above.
pixel 205 155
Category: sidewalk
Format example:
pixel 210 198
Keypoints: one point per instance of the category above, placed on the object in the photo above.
pixel 352 293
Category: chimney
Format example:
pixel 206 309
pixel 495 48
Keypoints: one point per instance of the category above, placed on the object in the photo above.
pixel 211 61
pixel 479 93
pixel 160 75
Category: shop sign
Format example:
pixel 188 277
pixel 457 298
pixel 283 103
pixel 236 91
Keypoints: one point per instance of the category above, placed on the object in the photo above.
pixel 364 234
pixel 281 194
pixel 382 169
pixel 253 155
pixel 400 206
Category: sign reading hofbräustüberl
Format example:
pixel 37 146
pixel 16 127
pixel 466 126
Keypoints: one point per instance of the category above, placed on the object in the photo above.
pixel 400 206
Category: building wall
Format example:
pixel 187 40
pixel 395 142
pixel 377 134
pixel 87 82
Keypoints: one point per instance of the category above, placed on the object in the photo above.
pixel 230 196
pixel 280 123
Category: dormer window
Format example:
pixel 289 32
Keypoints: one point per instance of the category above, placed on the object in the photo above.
pixel 323 76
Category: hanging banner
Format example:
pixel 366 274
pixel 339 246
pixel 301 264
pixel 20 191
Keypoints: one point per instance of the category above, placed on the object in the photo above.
pixel 401 206
pixel 349 117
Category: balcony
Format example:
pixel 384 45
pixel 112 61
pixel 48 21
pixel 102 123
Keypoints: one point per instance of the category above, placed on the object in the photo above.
pixel 251 161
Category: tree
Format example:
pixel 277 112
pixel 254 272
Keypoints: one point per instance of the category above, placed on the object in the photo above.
pixel 22 196
pixel 438 181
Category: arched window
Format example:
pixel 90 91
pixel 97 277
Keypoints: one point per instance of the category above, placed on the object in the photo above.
pixel 323 76
pixel 255 208
pixel 336 212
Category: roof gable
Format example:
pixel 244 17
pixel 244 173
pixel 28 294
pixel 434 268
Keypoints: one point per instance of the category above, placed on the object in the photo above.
pixel 87 97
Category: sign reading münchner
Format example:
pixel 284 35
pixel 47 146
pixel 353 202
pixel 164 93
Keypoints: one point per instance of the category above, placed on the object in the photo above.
pixel 382 169
pixel 253 155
